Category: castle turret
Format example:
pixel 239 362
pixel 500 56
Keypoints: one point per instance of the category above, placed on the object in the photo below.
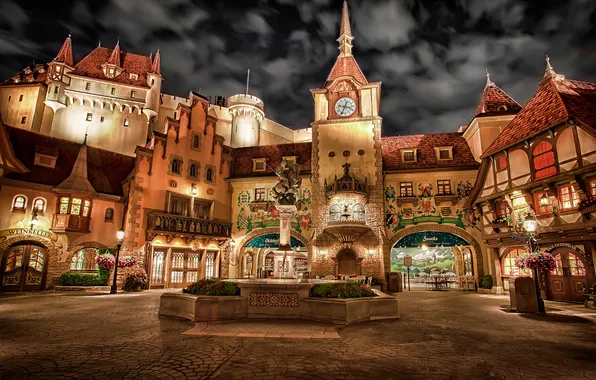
pixel 63 63
pixel 152 96
pixel 247 117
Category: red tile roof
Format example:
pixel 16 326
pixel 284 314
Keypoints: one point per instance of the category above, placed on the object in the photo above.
pixel 242 158
pixel 556 100
pixel 493 100
pixel 90 66
pixel 105 170
pixel 37 73
pixel 65 53
pixel 426 154
pixel 346 66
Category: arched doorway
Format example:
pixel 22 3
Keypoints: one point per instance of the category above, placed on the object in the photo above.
pixel 568 281
pixel 347 263
pixel 434 260
pixel 23 267
pixel 247 265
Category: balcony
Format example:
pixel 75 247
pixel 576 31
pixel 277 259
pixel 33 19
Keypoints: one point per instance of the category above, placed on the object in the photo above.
pixel 346 184
pixel 70 223
pixel 347 229
pixel 159 223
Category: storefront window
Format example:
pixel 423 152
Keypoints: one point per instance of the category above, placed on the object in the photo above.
pixel 508 262
pixel 209 265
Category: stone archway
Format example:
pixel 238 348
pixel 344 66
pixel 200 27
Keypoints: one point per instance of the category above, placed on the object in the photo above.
pixel 347 263
pixel 477 255
pixel 56 263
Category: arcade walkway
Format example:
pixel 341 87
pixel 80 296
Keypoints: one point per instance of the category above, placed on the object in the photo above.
pixel 442 335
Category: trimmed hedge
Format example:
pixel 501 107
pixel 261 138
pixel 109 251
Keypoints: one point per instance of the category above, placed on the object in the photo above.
pixel 341 290
pixel 213 287
pixel 81 279
pixel 486 282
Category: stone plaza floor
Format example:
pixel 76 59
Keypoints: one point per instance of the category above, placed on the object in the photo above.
pixel 441 335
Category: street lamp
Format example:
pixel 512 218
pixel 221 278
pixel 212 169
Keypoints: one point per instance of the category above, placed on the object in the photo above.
pixel 120 237
pixel 531 225
pixel 544 200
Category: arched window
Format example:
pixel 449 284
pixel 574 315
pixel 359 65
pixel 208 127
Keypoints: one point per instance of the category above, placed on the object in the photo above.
pixel 109 215
pixel 39 204
pixel 84 260
pixel 544 160
pixel 176 166
pixel 209 175
pixel 19 203
pixel 192 171
pixel 209 265
pixel 508 263
pixel 358 212
pixel 334 212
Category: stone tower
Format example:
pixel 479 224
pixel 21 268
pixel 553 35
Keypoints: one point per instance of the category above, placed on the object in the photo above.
pixel 347 151
pixel 247 117
pixel 62 64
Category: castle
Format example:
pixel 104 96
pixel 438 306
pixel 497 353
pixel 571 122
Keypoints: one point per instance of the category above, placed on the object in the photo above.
pixel 90 147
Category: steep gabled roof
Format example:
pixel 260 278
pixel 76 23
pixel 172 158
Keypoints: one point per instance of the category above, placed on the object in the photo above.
pixel 115 56
pixel 557 100
pixel 34 74
pixel 105 170
pixel 425 151
pixel 495 101
pixel 91 66
pixel 242 158
pixel 65 53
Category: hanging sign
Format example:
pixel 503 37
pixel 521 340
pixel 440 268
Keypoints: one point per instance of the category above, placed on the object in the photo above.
pixel 431 239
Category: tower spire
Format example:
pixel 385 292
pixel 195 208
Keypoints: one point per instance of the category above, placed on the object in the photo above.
pixel 115 57
pixel 65 53
pixel 247 81
pixel 156 68
pixel 488 81
pixel 345 32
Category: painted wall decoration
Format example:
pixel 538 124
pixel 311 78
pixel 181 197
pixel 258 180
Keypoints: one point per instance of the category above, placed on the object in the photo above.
pixel 424 210
pixel 464 189
pixel 272 241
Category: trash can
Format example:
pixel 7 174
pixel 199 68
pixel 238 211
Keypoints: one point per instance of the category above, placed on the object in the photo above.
pixel 394 283
pixel 522 295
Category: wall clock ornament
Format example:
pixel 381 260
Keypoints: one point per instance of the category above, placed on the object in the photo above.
pixel 345 107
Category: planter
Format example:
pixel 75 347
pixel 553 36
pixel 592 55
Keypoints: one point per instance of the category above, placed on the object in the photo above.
pixel 203 308
pixel 501 226
pixel 588 209
pixel 350 310
pixel 256 206
pixel 89 289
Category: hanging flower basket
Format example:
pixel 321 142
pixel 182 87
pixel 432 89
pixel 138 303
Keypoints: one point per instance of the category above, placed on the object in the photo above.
pixel 588 205
pixel 541 261
pixel 105 261
pixel 128 261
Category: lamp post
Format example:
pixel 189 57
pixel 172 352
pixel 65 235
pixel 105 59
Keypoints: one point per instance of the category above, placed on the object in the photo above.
pixel 531 225
pixel 120 237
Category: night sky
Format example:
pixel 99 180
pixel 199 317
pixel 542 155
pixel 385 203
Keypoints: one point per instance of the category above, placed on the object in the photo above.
pixel 430 55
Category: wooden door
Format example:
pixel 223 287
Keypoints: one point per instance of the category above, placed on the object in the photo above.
pixel 186 267
pixel 568 281
pixel 23 268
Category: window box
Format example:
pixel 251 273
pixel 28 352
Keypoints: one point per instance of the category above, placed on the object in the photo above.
pixel 501 223
pixel 446 198
pixel 588 205
pixel 256 206
pixel 402 200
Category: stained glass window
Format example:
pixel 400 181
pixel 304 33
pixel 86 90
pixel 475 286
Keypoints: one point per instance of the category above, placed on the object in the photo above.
pixel 576 266
pixel 15 258
pixel 64 205
pixel 86 208
pixel 209 265
pixel 76 206
pixel 157 271
pixel 39 204
pixel 36 259
pixel 568 197
pixel 19 203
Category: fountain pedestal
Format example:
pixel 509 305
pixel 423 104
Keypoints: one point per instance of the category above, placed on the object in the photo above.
pixel 283 258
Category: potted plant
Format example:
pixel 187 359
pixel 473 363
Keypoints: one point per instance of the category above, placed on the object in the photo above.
pixel 135 280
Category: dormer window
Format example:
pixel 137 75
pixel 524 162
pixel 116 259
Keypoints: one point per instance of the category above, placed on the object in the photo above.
pixel 291 160
pixel 58 69
pixel 134 76
pixel 408 155
pixel 502 108
pixel 444 153
pixel 259 164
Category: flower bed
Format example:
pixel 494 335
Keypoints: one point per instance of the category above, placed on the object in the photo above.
pixel 341 290
pixel 135 280
pixel 213 287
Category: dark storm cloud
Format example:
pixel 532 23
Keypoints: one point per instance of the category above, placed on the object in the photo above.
pixel 430 55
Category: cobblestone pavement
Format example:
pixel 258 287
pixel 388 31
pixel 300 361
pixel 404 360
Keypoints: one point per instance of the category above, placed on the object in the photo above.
pixel 441 335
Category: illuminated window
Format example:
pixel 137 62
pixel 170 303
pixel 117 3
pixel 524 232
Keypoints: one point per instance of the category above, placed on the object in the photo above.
pixel 132 94
pixel 64 205
pixel 576 266
pixel 502 209
pixel 501 162
pixel 39 204
pixel 113 90
pixel 84 260
pixel 58 68
pixel 89 117
pixel 568 197
pixel 291 160
pixel 88 86
pixel 260 194
pixel 540 210
pixel 109 216
pixel 209 265
pixel 544 160
pixel 175 166
pixel 134 76
pixel 408 155
pixel 508 263
pixel 19 203
pixel 86 208
pixel 75 208
pixel 443 187
pixel 591 187
pixel 23 119
pixel 126 121
pixel 20 98
pixel 406 189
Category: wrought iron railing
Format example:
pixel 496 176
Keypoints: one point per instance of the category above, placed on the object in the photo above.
pixel 158 222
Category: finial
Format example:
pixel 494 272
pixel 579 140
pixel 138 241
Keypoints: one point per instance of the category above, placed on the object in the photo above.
pixel 99 43
pixel 247 81
pixel 118 42
pixel 69 35
pixel 488 81
pixel 548 65
pixel 345 32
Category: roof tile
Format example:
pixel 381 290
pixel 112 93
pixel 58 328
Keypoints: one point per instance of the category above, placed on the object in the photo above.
pixel 90 66
pixel 242 158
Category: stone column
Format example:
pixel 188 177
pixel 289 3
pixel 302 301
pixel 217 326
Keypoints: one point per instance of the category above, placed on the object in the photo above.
pixel 285 254
pixel 497 273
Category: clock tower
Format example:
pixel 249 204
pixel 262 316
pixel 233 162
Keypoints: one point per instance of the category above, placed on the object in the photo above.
pixel 347 166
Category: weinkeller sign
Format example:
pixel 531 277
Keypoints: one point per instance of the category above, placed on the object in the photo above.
pixel 27 231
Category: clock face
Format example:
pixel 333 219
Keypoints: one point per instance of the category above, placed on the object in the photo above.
pixel 345 107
